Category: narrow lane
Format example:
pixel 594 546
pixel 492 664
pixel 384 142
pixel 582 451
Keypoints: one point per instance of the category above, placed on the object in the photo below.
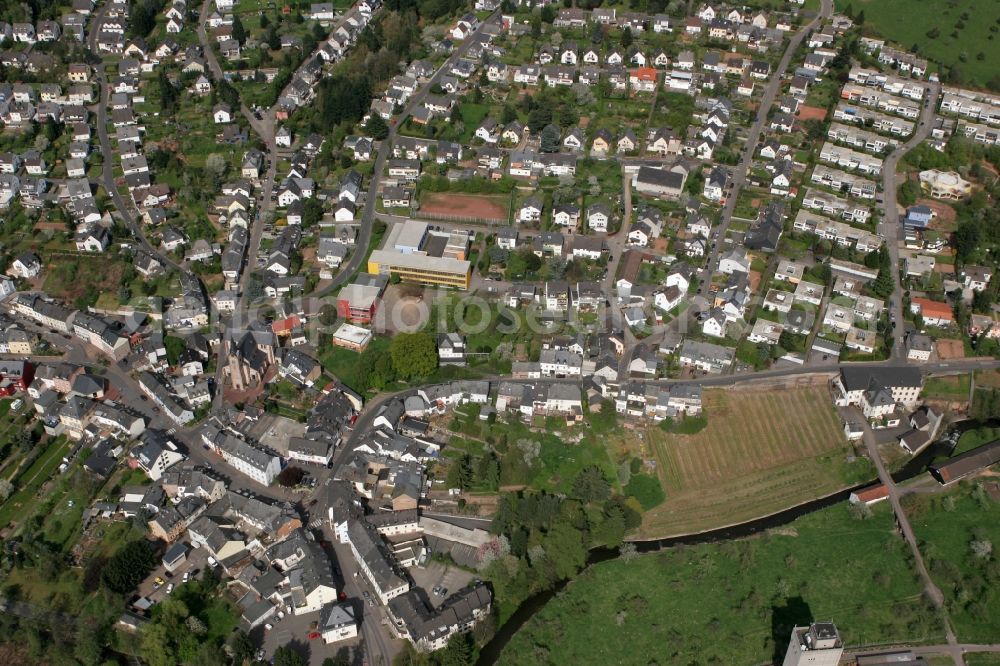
pixel 930 587
pixel 889 227
pixel 739 174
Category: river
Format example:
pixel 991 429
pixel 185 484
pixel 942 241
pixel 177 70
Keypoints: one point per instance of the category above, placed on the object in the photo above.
pixel 490 653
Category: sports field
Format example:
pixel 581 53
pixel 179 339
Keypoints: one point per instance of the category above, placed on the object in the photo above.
pixel 951 32
pixel 471 207
pixel 761 452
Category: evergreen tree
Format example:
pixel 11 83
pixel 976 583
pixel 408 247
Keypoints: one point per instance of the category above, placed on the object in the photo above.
pixel 239 32
pixel 376 127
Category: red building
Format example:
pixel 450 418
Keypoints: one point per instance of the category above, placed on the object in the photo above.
pixel 18 373
pixel 357 303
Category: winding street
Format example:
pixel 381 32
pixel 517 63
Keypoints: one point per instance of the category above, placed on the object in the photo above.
pixel 931 589
pixel 379 647
pixel 108 154
pixel 384 150
pixel 264 127
pixel 738 177
pixel 889 227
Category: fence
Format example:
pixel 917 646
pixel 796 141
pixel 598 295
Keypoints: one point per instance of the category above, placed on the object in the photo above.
pixel 444 217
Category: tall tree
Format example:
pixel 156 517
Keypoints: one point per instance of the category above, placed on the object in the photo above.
pixel 413 354
pixel 376 127
pixel 286 656
pixel 549 140
pixel 591 485
pixel 240 646
pixel 239 32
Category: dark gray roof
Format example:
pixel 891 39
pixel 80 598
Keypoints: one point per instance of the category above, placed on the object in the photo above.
pixel 860 379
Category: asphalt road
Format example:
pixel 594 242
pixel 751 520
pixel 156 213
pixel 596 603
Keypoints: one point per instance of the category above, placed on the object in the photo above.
pixel 738 176
pixel 108 154
pixel 377 642
pixel 264 127
pixel 889 227
pixel 931 589
pixel 384 150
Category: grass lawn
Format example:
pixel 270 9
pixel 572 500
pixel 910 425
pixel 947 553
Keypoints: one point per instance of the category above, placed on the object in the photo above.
pixel 63 591
pixel 761 452
pixel 65 505
pixel 987 379
pixel 982 659
pixel 954 45
pixel 343 363
pixel 472 116
pixel 562 453
pixel 735 602
pixel 946 527
pixel 31 480
pixel 948 388
pixel 970 439
pixel 78 277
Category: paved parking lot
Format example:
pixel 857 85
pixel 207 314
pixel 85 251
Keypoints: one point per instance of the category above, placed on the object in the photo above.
pixel 294 630
pixel 197 560
pixel 436 573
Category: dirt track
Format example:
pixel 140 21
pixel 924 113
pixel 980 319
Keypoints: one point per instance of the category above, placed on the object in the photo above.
pixel 471 206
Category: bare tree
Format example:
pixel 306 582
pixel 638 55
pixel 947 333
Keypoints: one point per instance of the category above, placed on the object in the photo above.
pixel 981 549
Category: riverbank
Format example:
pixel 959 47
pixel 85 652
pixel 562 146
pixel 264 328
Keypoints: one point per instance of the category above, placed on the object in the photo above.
pixel 537 604
pixel 734 601
pixel 490 653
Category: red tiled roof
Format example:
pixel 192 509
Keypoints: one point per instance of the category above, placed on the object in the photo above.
pixel 286 325
pixel 872 494
pixel 933 309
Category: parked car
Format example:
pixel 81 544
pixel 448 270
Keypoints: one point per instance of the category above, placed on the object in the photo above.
pixel 170 588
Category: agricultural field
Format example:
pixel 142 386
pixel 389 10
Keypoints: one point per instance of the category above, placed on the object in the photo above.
pixel 956 33
pixel 761 452
pixel 735 602
pixel 958 535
